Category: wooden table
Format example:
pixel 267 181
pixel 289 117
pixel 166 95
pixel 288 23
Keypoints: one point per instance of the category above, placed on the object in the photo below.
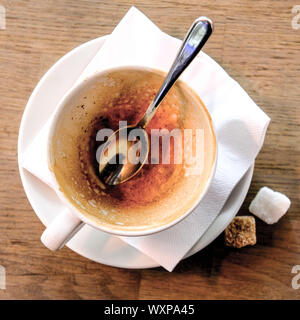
pixel 256 44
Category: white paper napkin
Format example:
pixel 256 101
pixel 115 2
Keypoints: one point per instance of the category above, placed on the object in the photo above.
pixel 239 123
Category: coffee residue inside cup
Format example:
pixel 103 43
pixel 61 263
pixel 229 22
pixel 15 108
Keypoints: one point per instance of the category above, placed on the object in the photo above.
pixel 159 192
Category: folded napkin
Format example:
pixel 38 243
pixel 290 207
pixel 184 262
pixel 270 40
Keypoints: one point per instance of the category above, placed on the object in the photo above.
pixel 239 123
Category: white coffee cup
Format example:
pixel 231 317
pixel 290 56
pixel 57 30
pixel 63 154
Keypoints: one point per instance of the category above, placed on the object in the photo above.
pixel 66 224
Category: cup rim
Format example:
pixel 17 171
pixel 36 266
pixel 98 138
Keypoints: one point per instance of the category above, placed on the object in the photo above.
pixel 54 118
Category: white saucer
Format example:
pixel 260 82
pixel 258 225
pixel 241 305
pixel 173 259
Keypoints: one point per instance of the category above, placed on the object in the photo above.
pixel 89 242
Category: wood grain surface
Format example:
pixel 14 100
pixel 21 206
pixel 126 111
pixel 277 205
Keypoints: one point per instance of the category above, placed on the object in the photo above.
pixel 256 44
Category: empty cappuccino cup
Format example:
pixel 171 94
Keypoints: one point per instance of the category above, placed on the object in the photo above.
pixel 180 166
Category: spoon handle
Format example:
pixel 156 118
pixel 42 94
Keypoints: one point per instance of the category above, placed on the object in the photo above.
pixel 195 39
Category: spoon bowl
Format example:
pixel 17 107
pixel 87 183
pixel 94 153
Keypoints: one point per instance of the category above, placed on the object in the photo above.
pixel 123 155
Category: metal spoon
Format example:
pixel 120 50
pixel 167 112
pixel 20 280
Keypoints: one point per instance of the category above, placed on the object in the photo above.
pixel 126 150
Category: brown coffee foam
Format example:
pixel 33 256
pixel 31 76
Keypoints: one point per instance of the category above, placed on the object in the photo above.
pixel 159 193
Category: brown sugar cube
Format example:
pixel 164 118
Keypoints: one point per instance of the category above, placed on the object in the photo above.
pixel 241 232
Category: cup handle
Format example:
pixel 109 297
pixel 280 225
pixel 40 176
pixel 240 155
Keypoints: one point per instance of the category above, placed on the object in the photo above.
pixel 61 230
